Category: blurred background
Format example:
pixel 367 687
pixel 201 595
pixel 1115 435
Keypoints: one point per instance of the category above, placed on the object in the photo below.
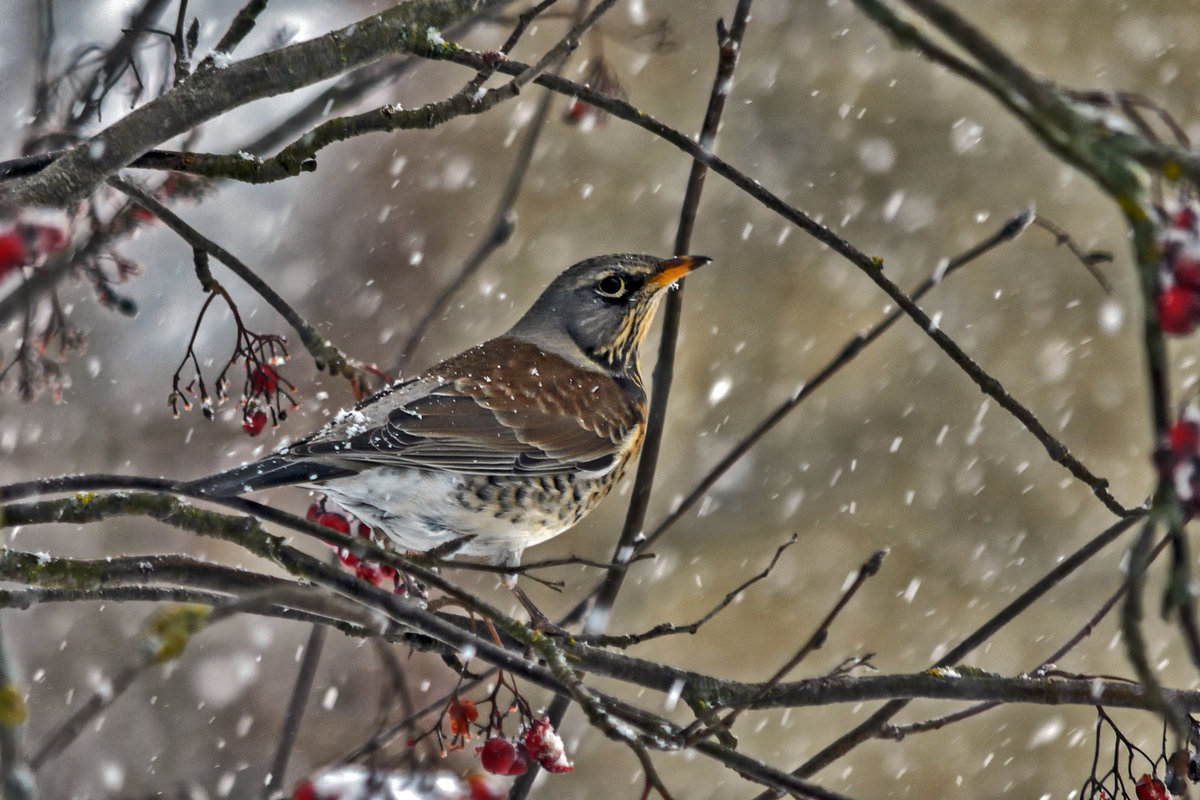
pixel 899 450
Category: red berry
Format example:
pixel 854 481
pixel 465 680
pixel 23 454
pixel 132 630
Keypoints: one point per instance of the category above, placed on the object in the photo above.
pixel 1184 438
pixel 1185 219
pixel 335 521
pixel 48 238
pixel 12 251
pixel 535 737
pixel 264 380
pixel 546 747
pixel 502 757
pixel 484 787
pixel 1186 270
pixel 576 110
pixel 142 215
pixel 304 791
pixel 373 573
pixel 254 424
pixel 1178 309
pixel 1149 788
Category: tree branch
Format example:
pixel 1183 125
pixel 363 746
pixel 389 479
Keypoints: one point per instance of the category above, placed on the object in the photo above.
pixel 214 91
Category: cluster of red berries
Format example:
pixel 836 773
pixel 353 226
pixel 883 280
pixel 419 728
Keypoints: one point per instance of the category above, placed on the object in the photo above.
pixel 381 575
pixel 26 243
pixel 263 382
pixel 539 742
pixel 264 379
pixel 1178 298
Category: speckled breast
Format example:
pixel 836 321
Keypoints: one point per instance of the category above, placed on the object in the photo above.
pixel 555 502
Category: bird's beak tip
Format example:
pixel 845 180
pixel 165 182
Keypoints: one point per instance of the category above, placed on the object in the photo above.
pixel 691 262
pixel 675 268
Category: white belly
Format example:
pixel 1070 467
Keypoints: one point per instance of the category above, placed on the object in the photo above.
pixel 420 510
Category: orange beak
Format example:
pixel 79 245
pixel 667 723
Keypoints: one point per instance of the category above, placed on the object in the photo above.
pixel 675 268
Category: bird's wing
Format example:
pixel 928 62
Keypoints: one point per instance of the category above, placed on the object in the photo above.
pixel 504 408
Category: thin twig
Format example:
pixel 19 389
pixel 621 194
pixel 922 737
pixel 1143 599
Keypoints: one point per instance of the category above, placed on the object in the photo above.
pixel 301 690
pixel 898 732
pixel 243 22
pixel 352 88
pixel 326 355
pixel 1132 614
pixel 1088 259
pixel 43 93
pixel 851 350
pixel 151 650
pixel 1108 156
pixel 118 57
pixel 869 568
pixel 395 688
pixel 412 716
pixel 668 629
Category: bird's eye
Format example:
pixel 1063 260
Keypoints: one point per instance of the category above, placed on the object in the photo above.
pixel 611 286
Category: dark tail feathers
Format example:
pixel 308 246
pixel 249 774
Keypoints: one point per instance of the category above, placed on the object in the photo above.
pixel 264 474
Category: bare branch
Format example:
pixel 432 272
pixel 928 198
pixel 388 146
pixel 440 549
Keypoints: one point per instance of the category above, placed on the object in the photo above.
pixel 301 690
pixel 241 25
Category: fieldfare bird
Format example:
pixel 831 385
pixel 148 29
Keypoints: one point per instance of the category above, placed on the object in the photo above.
pixel 504 445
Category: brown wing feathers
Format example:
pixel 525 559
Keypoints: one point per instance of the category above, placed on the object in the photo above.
pixel 504 407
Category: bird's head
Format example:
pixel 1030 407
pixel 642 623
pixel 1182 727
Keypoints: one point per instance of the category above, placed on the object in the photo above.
pixel 601 308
